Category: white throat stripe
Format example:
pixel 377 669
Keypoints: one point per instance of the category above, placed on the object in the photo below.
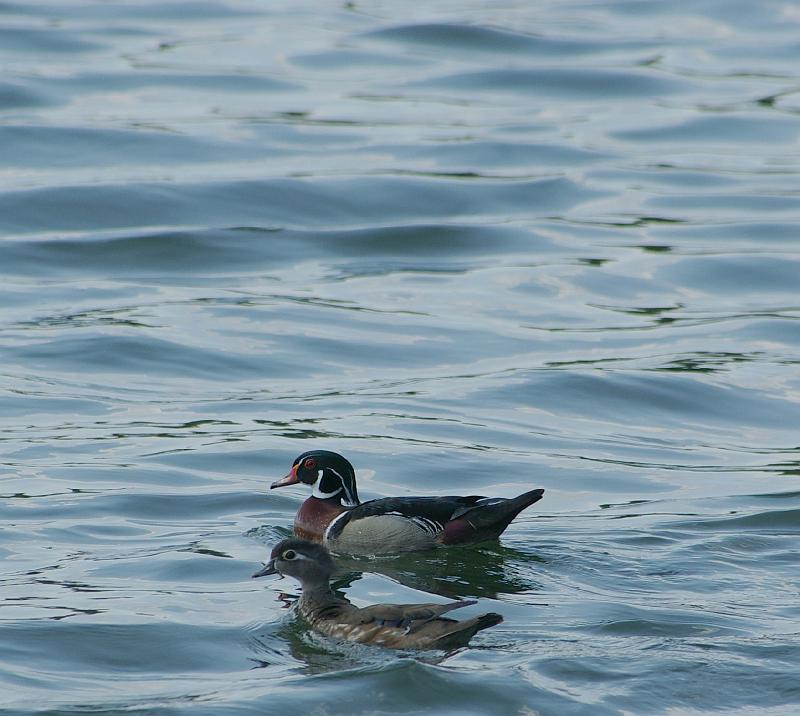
pixel 319 494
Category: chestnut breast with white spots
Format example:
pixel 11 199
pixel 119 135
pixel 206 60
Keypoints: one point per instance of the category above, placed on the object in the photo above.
pixel 313 518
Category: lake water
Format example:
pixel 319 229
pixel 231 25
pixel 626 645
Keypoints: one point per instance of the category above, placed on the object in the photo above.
pixel 476 247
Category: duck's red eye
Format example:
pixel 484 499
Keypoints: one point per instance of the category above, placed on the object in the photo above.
pixel 309 463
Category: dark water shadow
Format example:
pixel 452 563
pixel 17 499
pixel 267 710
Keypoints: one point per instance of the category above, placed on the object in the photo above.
pixel 485 571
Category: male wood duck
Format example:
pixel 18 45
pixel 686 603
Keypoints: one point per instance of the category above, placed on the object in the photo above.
pixel 336 517
pixel 396 626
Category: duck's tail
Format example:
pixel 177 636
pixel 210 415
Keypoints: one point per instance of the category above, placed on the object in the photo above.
pixel 490 619
pixel 463 631
pixel 487 518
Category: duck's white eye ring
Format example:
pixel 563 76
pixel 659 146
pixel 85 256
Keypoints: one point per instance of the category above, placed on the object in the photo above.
pixel 289 555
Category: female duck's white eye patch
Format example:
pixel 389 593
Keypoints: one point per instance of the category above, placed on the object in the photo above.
pixel 289 555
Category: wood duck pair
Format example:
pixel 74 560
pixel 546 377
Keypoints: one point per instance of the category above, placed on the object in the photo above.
pixel 397 626
pixel 336 517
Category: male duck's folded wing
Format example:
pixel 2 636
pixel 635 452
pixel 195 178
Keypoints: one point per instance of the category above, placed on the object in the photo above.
pixel 436 510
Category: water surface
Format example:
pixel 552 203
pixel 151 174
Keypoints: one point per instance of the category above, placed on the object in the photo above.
pixel 475 247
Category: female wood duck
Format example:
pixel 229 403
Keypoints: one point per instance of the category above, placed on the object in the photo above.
pixel 336 517
pixel 396 626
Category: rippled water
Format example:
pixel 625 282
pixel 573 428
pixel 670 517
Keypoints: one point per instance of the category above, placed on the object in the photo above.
pixel 475 247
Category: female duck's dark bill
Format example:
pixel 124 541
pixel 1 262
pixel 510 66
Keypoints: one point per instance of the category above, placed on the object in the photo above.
pixel 290 479
pixel 267 569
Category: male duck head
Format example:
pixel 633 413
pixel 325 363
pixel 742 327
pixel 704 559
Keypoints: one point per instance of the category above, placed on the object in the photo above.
pixel 307 562
pixel 331 476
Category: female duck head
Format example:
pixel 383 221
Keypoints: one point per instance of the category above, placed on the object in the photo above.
pixel 331 476
pixel 307 562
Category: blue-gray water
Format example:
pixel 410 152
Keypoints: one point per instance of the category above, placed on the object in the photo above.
pixel 476 247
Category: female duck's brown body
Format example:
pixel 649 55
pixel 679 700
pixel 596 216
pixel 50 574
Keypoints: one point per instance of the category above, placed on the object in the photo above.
pixel 396 626
pixel 334 515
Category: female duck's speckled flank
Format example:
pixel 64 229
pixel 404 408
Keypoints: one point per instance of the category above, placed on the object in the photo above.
pixel 334 515
pixel 398 626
